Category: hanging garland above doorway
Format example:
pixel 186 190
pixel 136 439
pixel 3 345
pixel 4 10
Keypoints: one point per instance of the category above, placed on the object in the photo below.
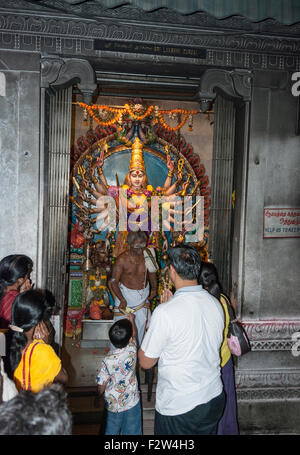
pixel 108 115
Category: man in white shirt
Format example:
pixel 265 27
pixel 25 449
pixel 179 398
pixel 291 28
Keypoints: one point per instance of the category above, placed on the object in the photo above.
pixel 185 336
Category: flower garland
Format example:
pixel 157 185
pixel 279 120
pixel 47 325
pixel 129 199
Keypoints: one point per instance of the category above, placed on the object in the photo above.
pixel 158 114
pixel 138 117
pixel 115 119
pixel 170 128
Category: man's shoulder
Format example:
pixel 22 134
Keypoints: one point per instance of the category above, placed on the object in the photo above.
pixel 190 292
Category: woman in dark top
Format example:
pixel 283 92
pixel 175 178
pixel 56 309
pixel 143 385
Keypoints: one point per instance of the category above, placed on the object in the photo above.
pixel 14 278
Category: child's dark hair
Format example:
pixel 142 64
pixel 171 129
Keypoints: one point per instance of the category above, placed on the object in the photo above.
pixel 29 308
pixel 12 268
pixel 120 333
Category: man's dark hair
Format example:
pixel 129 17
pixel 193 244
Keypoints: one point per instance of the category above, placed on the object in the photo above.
pixel 133 236
pixel 120 333
pixel 43 413
pixel 186 261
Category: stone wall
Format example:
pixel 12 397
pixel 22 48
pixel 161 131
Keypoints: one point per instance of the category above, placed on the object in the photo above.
pixel 268 377
pixel 20 155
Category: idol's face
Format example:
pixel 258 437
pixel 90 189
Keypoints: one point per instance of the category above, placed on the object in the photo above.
pixel 136 179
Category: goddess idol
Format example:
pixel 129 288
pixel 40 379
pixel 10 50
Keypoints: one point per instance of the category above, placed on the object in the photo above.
pixel 134 196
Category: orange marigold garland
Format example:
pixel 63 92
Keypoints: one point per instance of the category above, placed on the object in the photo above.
pixel 138 117
pixel 158 114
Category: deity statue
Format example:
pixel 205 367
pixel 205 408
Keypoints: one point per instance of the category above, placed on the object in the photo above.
pixel 134 194
pixel 97 295
pixel 132 203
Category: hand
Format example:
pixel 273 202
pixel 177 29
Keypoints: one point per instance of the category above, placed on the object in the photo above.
pixel 26 285
pixel 165 245
pixel 165 296
pixel 101 390
pixel 170 164
pixel 41 332
pixel 123 304
pixel 131 317
pixel 100 160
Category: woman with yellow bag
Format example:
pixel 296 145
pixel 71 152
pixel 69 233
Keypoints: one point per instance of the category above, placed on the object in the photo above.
pixel 228 424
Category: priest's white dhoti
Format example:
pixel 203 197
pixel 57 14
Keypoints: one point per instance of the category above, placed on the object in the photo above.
pixel 135 298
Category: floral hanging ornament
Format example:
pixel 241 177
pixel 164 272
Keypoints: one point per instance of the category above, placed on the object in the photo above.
pixel 156 113
pixel 109 115
pixel 85 117
pixel 190 123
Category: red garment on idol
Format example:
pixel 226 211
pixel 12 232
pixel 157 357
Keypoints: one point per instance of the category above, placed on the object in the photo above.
pixel 5 308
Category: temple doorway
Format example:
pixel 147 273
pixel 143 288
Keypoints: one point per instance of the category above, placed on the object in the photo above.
pixel 203 145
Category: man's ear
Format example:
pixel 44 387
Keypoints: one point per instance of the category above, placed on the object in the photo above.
pixel 171 268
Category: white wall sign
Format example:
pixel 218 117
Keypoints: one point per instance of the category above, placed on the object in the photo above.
pixel 281 222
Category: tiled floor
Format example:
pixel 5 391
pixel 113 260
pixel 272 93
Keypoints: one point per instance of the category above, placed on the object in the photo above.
pixel 90 420
pixel 82 365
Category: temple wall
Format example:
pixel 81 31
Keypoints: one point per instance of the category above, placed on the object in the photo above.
pixel 268 377
pixel 272 265
pixel 20 155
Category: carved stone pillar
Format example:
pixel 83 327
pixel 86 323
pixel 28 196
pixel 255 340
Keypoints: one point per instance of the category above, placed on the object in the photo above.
pixel 221 209
pixel 57 77
pixel 224 88
pixel 59 73
pixel 235 85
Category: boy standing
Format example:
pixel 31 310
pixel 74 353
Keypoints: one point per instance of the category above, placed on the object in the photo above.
pixel 117 380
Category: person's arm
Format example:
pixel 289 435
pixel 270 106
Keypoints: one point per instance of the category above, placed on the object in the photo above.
pixel 131 318
pixel 166 295
pixel 101 388
pixel 115 280
pixel 103 375
pixel 144 361
pixel 41 332
pixel 157 337
pixel 99 164
pixel 61 377
pixel 153 284
pixel 170 166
